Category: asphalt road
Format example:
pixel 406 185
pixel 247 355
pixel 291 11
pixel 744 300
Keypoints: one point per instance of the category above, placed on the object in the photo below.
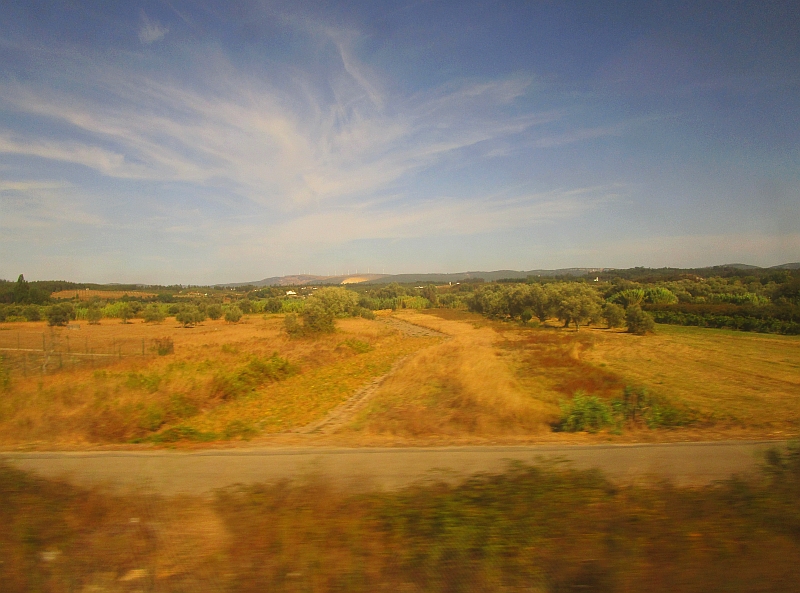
pixel 199 472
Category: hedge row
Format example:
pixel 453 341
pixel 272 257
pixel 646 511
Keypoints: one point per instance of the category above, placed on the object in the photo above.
pixel 738 322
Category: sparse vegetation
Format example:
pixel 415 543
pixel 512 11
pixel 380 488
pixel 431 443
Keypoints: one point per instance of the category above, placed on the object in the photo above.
pixel 639 322
pixel 538 528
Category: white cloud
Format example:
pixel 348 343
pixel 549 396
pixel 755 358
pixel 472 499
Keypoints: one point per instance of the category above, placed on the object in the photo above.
pixel 151 30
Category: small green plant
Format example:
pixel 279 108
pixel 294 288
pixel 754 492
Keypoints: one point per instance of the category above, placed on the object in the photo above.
pixel 5 375
pixel 181 406
pixel 149 382
pixel 357 346
pixel 584 412
pixel 152 418
pixel 639 406
pixel 178 433
pixel 241 429
pixel 254 374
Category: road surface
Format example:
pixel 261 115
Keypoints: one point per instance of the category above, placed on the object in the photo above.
pixel 200 472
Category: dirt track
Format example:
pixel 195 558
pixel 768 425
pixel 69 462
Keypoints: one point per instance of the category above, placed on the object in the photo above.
pixel 386 468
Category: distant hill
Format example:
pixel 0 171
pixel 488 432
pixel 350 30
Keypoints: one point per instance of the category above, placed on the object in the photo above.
pixel 303 279
pixel 441 278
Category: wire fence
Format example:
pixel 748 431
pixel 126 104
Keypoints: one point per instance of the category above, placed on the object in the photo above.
pixel 38 353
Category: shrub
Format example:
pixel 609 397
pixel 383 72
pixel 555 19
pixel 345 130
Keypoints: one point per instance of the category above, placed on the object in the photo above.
pixel 93 315
pixel 241 429
pixel 614 314
pixel 639 322
pixel 637 405
pixel 153 314
pixel 233 314
pixel 584 412
pixel 163 346
pixel 214 311
pixel 32 313
pixel 58 315
pixel 293 326
pixel 5 375
pixel 190 315
pixel 357 345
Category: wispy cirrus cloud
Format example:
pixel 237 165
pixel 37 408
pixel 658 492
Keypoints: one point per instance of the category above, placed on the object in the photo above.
pixel 151 30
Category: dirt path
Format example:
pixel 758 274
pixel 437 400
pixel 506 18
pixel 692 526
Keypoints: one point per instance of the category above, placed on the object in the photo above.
pixel 170 472
pixel 411 329
pixel 340 415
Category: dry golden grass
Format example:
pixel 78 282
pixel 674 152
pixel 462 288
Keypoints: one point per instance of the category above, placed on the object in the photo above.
pixel 459 387
pixel 489 380
pixel 136 396
pixel 733 379
pixel 496 379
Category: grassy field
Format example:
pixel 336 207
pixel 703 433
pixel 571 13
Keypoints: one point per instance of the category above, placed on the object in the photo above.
pixel 222 382
pixel 482 381
pixel 528 529
pixel 497 379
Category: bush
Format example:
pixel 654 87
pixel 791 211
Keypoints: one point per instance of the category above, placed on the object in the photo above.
pixel 163 346
pixel 614 315
pixel 233 314
pixel 94 315
pixel 153 314
pixel 214 311
pixel 639 322
pixel 58 315
pixel 190 315
pixel 584 412
pixel 32 313
pixel 293 326
pixel 5 375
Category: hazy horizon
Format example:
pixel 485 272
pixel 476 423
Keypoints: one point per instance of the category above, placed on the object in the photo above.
pixel 176 142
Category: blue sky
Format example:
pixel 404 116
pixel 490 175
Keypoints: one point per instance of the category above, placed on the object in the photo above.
pixel 203 142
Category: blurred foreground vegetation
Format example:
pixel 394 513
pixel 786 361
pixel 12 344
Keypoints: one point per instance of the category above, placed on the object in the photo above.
pixel 529 529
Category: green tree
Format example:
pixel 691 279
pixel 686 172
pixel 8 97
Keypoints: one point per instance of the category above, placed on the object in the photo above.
pixel 639 322
pixel 153 314
pixel 94 314
pixel 188 316
pixel 214 311
pixel 614 314
pixel 58 315
pixel 430 293
pixel 32 313
pixel 233 314
pixel 540 301
pixel 125 312
pixel 21 290
pixel 577 303
pixel 628 297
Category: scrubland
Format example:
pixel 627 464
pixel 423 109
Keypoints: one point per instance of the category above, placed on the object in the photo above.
pixel 478 380
pixel 220 382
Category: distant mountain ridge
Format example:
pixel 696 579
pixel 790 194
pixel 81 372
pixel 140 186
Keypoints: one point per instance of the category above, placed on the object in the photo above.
pixel 304 279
